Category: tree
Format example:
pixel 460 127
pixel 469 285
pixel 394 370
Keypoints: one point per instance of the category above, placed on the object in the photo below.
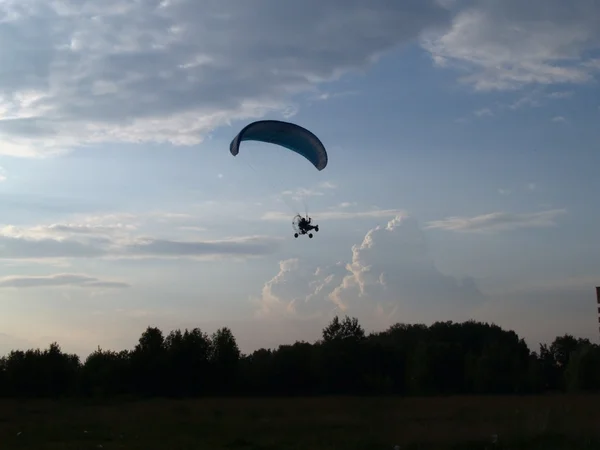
pixel 188 359
pixel 225 357
pixel 583 370
pixel 444 358
pixel 348 329
pixel 148 362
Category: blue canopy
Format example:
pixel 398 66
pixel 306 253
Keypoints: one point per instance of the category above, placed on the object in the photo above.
pixel 285 134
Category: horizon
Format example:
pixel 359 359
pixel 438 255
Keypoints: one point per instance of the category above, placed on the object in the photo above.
pixel 462 141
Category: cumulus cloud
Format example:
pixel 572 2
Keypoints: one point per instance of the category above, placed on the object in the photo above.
pixel 299 289
pixel 498 221
pixel 509 44
pixel 59 241
pixel 59 280
pixel 390 277
pixel 79 73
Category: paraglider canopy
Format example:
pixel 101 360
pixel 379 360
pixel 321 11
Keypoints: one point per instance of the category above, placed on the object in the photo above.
pixel 285 134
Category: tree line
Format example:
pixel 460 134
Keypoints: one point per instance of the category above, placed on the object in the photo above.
pixel 442 359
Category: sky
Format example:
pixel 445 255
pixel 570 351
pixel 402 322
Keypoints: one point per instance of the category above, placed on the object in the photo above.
pixel 463 140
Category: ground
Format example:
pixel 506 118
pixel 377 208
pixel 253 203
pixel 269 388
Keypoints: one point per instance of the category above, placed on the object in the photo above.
pixel 538 422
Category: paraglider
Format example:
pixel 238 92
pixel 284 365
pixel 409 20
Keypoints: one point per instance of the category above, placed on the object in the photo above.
pixel 285 134
pixel 303 226
pixel 291 137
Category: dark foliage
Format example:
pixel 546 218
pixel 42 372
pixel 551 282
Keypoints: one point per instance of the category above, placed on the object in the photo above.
pixel 445 358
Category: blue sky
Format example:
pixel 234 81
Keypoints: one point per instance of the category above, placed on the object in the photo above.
pixel 463 147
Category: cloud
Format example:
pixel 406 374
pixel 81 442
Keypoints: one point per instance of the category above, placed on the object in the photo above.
pixel 234 247
pixel 503 45
pixel 60 231
pixel 59 241
pixel 537 97
pixel 193 229
pixel 484 112
pixel 559 119
pixel 331 95
pixel 294 277
pixel 300 194
pixel 531 187
pixel 560 94
pixel 59 280
pixel 338 214
pixel 76 73
pixel 327 185
pixel 390 277
pixel 24 248
pixel 2 175
pixel 498 221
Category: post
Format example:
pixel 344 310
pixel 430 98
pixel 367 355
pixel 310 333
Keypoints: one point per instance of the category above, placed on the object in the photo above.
pixel 598 301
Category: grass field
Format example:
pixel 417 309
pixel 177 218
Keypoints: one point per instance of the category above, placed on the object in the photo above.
pixel 544 422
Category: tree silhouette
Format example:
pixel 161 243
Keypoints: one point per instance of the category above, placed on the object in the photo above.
pixel 444 358
pixel 224 356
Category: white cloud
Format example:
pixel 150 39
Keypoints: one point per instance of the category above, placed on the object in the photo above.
pixel 537 97
pixel 331 95
pixel 498 221
pixel 484 112
pixel 560 94
pixel 338 214
pixel 559 119
pixel 528 187
pixel 59 241
pixel 530 100
pixel 2 174
pixel 293 277
pixel 302 193
pixel 192 229
pixel 508 44
pixel 79 73
pixel 390 277
pixel 59 280
pixel 60 231
pixel 236 247
pixel 327 185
